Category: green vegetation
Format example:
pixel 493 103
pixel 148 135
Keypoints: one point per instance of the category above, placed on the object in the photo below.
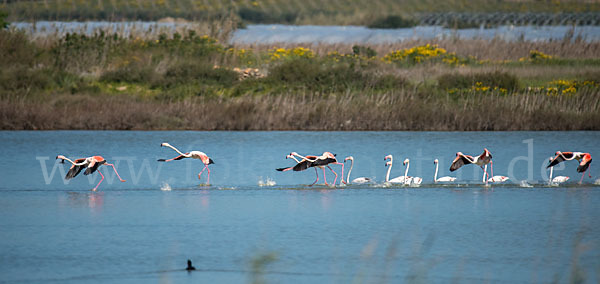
pixel 191 81
pixel 379 13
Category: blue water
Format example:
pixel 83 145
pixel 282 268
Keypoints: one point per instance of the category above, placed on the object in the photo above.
pixel 271 34
pixel 139 232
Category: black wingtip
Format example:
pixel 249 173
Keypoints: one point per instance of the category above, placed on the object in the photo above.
pixel 161 160
pixel 280 169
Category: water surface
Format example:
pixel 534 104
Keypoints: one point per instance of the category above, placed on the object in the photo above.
pixel 269 34
pixel 139 232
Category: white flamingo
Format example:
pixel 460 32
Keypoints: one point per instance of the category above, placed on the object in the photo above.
pixel 359 180
pixel 389 164
pixel 442 179
pixel 558 179
pixel 408 179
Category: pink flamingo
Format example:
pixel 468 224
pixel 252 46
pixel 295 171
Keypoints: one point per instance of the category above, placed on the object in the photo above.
pixel 481 160
pixel 585 159
pixel 194 155
pixel 91 164
pixel 314 162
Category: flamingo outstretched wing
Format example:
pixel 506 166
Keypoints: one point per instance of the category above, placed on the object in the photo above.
pixel 93 166
pixel 560 157
pixel 460 161
pixel 76 169
pixel 172 159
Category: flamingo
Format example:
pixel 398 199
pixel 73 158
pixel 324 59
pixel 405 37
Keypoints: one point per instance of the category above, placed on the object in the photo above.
pixel 359 180
pixel 442 179
pixel 585 159
pixel 558 179
pixel 493 178
pixel 462 159
pixel 194 155
pixel 91 164
pixel 389 164
pixel 322 161
pixel 409 179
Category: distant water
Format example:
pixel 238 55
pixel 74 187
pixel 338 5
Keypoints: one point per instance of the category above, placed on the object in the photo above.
pixel 145 229
pixel 268 34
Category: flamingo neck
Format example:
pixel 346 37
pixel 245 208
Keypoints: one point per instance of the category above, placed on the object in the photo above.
pixel 351 166
pixel 436 172
pixel 73 163
pixel 550 177
pixel 387 177
pixel 179 152
pixel 69 160
pixel 406 171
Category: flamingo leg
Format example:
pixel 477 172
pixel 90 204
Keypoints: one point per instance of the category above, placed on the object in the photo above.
pixel 582 175
pixel 486 176
pixel 338 163
pixel 99 182
pixel 113 166
pixel 324 176
pixel 333 173
pixel 317 173
pixel 200 174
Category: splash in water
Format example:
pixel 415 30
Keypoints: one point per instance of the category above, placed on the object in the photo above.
pixel 165 187
pixel 267 182
pixel 524 183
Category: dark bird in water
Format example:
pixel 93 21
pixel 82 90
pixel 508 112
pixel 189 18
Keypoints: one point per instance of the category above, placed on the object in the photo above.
pixel 190 267
pixel 314 162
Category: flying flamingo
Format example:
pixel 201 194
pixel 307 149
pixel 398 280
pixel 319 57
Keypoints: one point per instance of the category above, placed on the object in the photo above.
pixel 462 159
pixel 493 178
pixel 194 155
pixel 389 164
pixel 585 159
pixel 359 180
pixel 91 164
pixel 558 179
pixel 411 180
pixel 314 162
pixel 442 179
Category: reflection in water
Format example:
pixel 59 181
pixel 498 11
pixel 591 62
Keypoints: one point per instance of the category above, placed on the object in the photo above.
pixel 205 199
pixel 92 200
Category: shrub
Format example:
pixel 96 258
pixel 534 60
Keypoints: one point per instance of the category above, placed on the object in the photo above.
pixel 322 75
pixel 198 73
pixel 392 22
pixel 498 79
pixel 260 17
pixel 16 49
pixel 3 24
pixel 364 51
pixel 130 74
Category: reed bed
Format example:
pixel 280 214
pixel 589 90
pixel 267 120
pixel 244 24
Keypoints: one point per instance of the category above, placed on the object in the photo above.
pixel 399 110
